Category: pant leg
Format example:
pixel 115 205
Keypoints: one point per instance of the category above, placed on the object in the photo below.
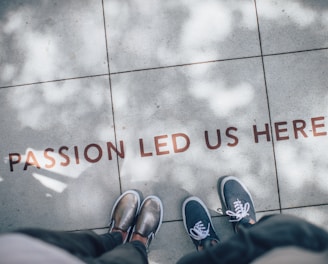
pixel 269 233
pixel 130 253
pixel 84 245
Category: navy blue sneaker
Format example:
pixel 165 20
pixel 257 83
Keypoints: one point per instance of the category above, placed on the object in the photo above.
pixel 198 223
pixel 237 201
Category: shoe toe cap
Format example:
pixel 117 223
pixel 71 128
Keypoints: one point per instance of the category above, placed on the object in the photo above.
pixel 125 212
pixel 149 218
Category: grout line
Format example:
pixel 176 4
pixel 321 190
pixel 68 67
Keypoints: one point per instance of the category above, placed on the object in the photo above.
pixel 304 206
pixel 293 52
pixel 111 98
pixel 186 64
pixel 216 216
pixel 269 111
pixel 219 60
pixel 163 67
pixel 261 211
pixel 56 80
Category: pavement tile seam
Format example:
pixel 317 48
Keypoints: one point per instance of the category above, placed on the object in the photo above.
pixel 164 67
pixel 104 229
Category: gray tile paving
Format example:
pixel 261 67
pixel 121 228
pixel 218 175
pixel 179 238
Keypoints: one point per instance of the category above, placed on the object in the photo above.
pixel 315 214
pixel 51 40
pixel 187 101
pixel 292 25
pixel 96 134
pixel 154 33
pixel 52 137
pixel 299 113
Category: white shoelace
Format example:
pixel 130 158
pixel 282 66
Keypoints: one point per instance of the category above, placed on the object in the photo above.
pixel 240 211
pixel 199 231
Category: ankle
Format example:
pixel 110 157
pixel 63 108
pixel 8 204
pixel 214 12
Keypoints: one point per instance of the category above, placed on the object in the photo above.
pixel 245 224
pixel 137 237
pixel 211 243
pixel 124 234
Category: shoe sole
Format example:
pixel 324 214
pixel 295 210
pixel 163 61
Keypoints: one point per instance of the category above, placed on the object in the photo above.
pixel 194 198
pixel 221 183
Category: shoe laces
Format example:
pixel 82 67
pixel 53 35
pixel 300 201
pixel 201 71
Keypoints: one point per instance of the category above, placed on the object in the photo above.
pixel 199 231
pixel 240 212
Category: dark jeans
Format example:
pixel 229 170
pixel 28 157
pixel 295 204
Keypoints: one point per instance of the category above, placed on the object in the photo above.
pixel 92 248
pixel 269 233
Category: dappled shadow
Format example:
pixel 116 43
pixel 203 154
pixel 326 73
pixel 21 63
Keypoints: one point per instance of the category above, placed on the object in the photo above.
pixel 220 85
pixel 179 32
pixel 43 41
pixel 288 26
pixel 48 129
pixel 301 86
pixel 191 100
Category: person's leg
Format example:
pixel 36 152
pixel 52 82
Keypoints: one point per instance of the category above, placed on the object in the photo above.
pixel 82 244
pixel 269 233
pixel 255 239
pixel 129 253
pixel 89 245
pixel 238 204
pixel 147 226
